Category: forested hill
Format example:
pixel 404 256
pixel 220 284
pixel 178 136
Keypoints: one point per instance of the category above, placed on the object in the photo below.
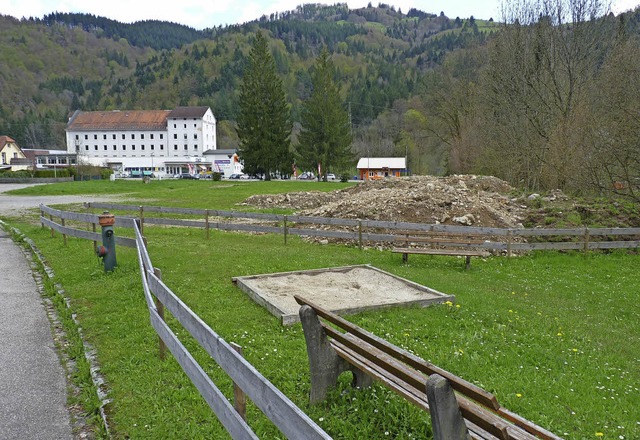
pixel 64 62
pixel 148 33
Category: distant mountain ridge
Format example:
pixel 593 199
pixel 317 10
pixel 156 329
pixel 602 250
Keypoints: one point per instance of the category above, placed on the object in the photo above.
pixel 64 62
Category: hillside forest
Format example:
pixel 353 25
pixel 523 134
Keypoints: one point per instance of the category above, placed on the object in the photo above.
pixel 546 96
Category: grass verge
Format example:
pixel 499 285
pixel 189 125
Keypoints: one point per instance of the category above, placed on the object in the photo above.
pixel 554 335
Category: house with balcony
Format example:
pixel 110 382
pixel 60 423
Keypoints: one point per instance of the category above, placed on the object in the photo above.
pixel 12 157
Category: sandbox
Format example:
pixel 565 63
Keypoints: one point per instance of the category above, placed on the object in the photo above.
pixel 342 290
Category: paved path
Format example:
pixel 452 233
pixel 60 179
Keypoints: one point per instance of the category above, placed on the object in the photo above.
pixel 32 380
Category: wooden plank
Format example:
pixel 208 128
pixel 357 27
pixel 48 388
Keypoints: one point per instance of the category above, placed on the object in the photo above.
pixel 347 235
pixel 174 222
pixel 230 419
pixel 87 235
pixel 276 406
pixel 323 220
pixel 451 252
pixel 247 228
pixel 410 359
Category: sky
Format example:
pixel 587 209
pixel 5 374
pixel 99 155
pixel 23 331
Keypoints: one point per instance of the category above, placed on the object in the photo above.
pixel 201 14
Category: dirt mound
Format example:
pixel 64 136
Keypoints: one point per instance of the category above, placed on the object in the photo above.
pixel 459 200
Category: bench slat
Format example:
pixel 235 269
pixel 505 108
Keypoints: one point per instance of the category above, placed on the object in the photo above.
pixel 395 367
pixel 467 388
pixel 412 386
pixel 453 252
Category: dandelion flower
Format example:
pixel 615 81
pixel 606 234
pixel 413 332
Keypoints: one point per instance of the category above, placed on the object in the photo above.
pixel 518 395
pixel 599 434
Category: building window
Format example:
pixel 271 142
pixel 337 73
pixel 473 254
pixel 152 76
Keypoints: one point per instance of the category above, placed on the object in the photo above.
pixel 124 148
pixel 115 148
pixel 77 137
pixel 133 147
pixel 195 126
pixel 142 147
pixel 185 125
pixel 151 135
pixel 152 147
pixel 195 135
pixel 114 137
pixel 86 137
pixel 175 147
pixel 86 148
pixel 123 136
pixel 186 147
pixel 161 136
pixel 185 135
pixel 174 125
pixel 195 147
pixel 105 148
pixel 95 147
pixel 133 136
pixel 142 136
pixel 175 135
pixel 162 147
pixel 95 137
pixel 104 136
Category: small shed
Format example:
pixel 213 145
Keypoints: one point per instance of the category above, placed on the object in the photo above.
pixel 372 168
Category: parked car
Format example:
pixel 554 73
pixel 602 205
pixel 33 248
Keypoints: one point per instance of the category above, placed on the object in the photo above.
pixel 331 176
pixel 189 176
pixel 306 176
pixel 245 177
pixel 235 176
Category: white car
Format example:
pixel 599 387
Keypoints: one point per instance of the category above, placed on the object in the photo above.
pixel 245 177
pixel 331 176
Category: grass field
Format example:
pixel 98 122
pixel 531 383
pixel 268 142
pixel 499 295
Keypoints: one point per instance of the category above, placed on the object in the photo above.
pixel 554 335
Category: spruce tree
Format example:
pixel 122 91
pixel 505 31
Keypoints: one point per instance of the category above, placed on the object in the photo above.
pixel 325 138
pixel 264 124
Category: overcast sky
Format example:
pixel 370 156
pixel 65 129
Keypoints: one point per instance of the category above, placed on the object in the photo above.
pixel 202 14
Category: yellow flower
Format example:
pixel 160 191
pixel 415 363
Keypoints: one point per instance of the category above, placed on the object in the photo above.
pixel 559 333
pixel 575 350
pixel 518 395
pixel 599 434
pixel 449 303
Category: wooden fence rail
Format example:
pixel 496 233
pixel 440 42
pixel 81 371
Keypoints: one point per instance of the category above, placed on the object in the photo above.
pixel 282 412
pixel 501 239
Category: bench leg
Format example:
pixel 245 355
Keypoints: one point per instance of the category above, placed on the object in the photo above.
pixel 324 364
pixel 446 419
pixel 467 262
pixel 405 258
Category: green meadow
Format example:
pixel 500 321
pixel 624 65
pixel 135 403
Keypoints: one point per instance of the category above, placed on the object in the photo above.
pixel 555 336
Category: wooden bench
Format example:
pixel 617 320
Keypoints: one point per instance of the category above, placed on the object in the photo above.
pixel 439 243
pixel 459 409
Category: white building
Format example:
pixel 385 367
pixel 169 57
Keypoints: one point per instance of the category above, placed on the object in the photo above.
pixel 137 142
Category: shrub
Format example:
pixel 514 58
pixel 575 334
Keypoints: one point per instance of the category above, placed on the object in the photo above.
pixel 216 176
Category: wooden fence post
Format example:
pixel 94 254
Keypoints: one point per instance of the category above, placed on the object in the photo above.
pixel 239 398
pixel 52 231
pixel 509 239
pixel 64 236
pixel 206 222
pixel 41 215
pixel 586 240
pixel 160 308
pixel 285 229
pixel 95 243
pixel 360 234
pixel 141 219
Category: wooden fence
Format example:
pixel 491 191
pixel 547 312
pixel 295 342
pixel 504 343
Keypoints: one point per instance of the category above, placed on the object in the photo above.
pixel 505 240
pixel 248 381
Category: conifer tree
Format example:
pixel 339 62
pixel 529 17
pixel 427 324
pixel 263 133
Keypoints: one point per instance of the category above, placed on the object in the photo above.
pixel 264 125
pixel 325 138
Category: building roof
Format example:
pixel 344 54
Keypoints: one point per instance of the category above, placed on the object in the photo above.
pixel 219 152
pixel 119 120
pixel 4 140
pixel 378 163
pixel 188 112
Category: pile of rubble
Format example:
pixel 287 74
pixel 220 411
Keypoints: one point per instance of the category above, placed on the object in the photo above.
pixel 458 200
